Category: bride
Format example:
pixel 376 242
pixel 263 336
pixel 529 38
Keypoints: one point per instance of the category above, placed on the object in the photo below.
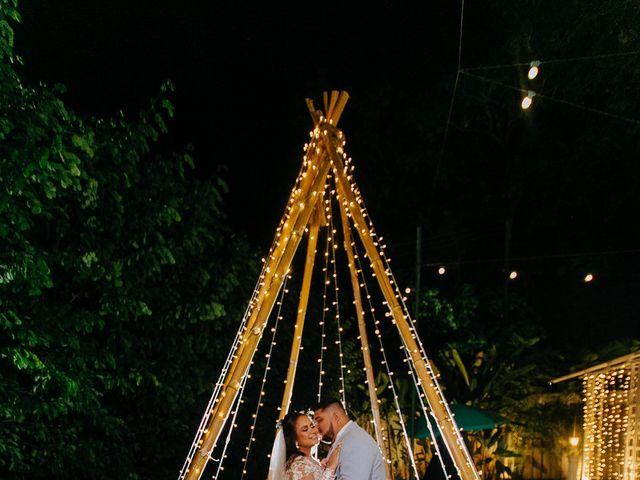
pixel 291 455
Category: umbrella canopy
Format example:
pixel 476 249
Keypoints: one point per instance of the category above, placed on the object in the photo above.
pixel 467 418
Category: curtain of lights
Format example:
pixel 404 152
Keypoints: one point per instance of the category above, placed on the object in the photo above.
pixel 611 410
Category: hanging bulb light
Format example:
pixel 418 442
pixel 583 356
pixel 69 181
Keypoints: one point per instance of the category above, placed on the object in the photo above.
pixel 513 275
pixel 589 277
pixel 442 271
pixel 533 70
pixel 528 100
pixel 574 440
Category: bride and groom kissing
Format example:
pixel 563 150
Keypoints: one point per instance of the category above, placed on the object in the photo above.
pixel 354 454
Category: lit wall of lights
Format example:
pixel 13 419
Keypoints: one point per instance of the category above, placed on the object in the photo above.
pixel 611 409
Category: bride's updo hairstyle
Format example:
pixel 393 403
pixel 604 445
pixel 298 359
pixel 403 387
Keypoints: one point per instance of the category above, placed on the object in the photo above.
pixel 289 431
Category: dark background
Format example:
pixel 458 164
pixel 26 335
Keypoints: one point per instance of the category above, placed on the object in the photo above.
pixel 550 192
pixel 241 73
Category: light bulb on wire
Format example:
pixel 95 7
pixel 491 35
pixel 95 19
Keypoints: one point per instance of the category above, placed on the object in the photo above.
pixel 533 70
pixel 528 100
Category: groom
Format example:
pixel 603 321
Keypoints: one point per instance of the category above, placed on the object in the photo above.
pixel 360 457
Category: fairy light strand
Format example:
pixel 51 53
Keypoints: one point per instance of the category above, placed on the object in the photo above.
pixel 380 246
pixel 610 446
pixel 323 318
pixel 338 341
pixel 234 413
pixel 267 368
pixel 376 321
pixel 239 398
pixel 215 397
pixel 220 382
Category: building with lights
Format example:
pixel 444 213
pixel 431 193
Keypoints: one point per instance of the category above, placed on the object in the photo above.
pixel 611 407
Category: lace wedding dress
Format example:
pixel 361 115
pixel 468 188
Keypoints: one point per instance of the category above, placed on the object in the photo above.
pixel 303 466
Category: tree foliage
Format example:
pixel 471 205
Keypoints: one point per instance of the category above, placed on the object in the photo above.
pixel 118 281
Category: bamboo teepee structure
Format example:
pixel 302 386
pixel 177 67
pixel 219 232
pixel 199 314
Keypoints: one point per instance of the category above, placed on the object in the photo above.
pixel 305 215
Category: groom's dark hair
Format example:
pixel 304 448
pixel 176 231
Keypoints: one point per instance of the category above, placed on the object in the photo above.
pixel 329 402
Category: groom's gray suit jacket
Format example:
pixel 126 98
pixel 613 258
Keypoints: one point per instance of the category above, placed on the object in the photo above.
pixel 360 457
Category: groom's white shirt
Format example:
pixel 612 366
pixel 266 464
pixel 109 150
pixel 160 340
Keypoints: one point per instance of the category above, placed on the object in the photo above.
pixel 360 457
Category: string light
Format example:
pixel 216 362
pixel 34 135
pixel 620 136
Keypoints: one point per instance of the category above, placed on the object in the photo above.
pixel 235 409
pixel 589 277
pixel 325 308
pixel 267 368
pixel 442 271
pixel 259 292
pixel 513 275
pixel 556 100
pixel 609 396
pixel 384 362
pixel 215 396
pixel 272 277
pixel 434 385
pixel 528 100
pixel 334 247
pixel 533 70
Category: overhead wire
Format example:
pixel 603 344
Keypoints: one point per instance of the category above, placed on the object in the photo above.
pixel 436 174
pixel 551 61
pixel 554 99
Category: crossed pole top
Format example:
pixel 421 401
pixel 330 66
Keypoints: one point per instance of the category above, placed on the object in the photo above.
pixel 333 103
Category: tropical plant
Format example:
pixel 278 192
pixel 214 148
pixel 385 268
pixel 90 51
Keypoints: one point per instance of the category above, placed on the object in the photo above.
pixel 118 280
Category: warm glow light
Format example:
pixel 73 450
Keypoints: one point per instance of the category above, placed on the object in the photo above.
pixel 526 102
pixel 396 311
pixel 574 441
pixel 513 275
pixel 534 70
pixel 588 277
pixel 608 395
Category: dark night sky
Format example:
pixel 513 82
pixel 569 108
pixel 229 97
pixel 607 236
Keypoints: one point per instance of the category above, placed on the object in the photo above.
pixel 242 71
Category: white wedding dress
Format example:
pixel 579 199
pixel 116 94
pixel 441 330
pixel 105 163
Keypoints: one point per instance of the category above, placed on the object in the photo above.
pixel 303 466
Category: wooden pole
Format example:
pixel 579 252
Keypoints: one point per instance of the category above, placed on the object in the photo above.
pixel 302 311
pixel 290 239
pixel 416 313
pixel 301 204
pixel 339 107
pixel 364 340
pixel 332 103
pixel 428 383
pixel 289 222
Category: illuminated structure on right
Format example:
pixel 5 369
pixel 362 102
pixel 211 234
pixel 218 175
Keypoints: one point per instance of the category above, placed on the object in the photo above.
pixel 611 443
